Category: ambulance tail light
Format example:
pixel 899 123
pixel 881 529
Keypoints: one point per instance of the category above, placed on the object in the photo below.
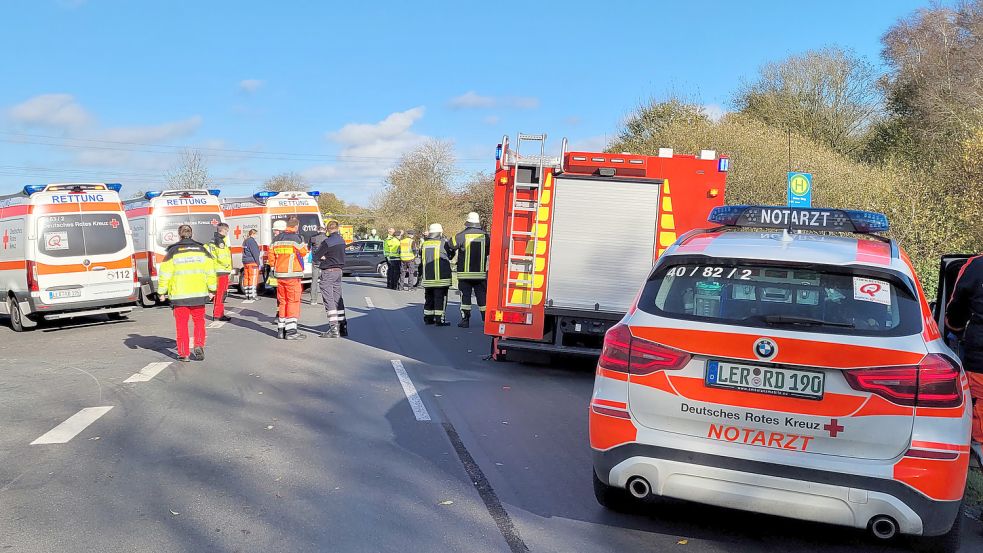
pixel 151 266
pixel 624 353
pixel 935 382
pixel 133 267
pixel 32 276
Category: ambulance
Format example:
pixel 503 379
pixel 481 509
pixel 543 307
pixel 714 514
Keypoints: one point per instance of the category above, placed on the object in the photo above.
pixel 154 220
pixel 66 252
pixel 786 362
pixel 259 212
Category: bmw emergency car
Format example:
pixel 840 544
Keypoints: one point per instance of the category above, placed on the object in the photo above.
pixel 789 372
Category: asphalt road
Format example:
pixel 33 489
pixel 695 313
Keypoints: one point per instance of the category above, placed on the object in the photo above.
pixel 314 446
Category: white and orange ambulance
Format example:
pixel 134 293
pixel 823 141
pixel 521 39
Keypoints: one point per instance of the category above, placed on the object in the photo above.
pixel 259 212
pixel 66 252
pixel 154 220
pixel 795 371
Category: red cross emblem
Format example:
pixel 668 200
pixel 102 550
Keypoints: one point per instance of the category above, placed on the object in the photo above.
pixel 834 428
pixel 238 232
pixel 214 222
pixel 6 239
pixel 114 223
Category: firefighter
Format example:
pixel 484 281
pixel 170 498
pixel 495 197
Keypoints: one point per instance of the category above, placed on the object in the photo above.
pixel 187 278
pixel 471 248
pixel 331 257
pixel 390 249
pixel 251 259
pixel 287 255
pixel 221 252
pixel 435 254
pixel 314 244
pixel 407 261
pixel 964 315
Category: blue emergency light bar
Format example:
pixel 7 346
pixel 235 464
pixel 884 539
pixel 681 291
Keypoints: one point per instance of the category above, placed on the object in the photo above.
pixel 314 193
pixel 33 189
pixel 793 218
pixel 498 153
pixel 214 191
pixel 114 186
pixel 151 195
pixel 264 195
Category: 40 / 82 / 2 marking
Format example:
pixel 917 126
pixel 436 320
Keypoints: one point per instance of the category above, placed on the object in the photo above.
pixel 710 272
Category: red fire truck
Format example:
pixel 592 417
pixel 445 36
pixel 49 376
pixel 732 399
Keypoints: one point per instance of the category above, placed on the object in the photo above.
pixel 574 238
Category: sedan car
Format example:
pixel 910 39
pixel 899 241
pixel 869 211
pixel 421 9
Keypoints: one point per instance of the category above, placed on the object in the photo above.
pixel 366 256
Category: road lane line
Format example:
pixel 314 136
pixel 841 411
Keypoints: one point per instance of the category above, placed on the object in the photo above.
pixel 72 426
pixel 216 324
pixel 419 410
pixel 148 372
pixel 368 302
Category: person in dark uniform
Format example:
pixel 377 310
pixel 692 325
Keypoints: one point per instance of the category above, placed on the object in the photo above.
pixel 964 316
pixel 314 244
pixel 471 249
pixel 435 255
pixel 330 257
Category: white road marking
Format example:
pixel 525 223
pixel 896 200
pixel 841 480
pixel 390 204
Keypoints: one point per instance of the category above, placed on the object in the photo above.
pixel 368 302
pixel 248 301
pixel 358 279
pixel 216 324
pixel 419 410
pixel 72 426
pixel 148 372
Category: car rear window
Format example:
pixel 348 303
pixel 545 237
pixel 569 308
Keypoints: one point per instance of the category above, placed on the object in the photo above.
pixel 81 234
pixel 793 297
pixel 203 227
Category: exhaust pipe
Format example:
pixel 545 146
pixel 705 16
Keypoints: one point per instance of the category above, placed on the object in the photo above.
pixel 639 487
pixel 883 527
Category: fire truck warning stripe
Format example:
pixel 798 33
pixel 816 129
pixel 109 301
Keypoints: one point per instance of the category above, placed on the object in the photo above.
pixel 790 350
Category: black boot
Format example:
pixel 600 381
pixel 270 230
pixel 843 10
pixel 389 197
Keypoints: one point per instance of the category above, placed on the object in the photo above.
pixel 428 319
pixel 441 321
pixel 465 320
pixel 343 329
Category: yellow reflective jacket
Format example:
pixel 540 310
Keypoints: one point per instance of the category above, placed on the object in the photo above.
pixel 222 254
pixel 390 248
pixel 406 252
pixel 187 274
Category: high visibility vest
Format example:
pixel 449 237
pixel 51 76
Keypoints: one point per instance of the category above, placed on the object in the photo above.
pixel 406 250
pixel 436 263
pixel 222 254
pixel 187 274
pixel 390 248
pixel 286 256
pixel 471 247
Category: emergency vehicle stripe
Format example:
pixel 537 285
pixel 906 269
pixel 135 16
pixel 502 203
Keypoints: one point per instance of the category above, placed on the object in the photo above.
pixel 667 222
pixel 187 209
pixel 46 269
pixel 612 375
pixel 942 412
pixel 832 405
pixel 937 445
pixel 245 211
pixel 12 265
pixel 696 244
pixel 941 479
pixel 609 403
pixel 607 431
pixel 871 251
pixel 15 210
pixel 75 208
pixel 138 212
pixel 790 350
pixel 876 406
pixel 658 380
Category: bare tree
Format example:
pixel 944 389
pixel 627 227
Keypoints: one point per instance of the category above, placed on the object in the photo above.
pixel 191 171
pixel 478 195
pixel 418 190
pixel 830 96
pixel 288 181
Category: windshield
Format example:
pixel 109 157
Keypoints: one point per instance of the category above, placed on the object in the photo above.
pixel 81 234
pixel 309 223
pixel 798 297
pixel 202 227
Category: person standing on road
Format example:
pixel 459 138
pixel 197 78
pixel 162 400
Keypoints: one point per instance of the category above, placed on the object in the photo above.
pixel 407 259
pixel 964 316
pixel 330 255
pixel 279 226
pixel 436 253
pixel 187 278
pixel 390 248
pixel 315 242
pixel 471 248
pixel 221 252
pixel 287 255
pixel 251 259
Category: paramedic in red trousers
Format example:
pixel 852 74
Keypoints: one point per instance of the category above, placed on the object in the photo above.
pixel 220 251
pixel 279 226
pixel 964 315
pixel 471 247
pixel 286 260
pixel 435 256
pixel 187 278
pixel 330 256
pixel 251 260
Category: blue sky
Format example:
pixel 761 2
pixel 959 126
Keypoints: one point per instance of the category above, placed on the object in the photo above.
pixel 111 90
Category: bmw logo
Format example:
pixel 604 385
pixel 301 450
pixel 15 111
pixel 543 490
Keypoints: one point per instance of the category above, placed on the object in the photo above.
pixel 765 349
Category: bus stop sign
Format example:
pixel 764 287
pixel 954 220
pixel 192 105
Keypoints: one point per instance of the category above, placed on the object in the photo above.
pixel 800 189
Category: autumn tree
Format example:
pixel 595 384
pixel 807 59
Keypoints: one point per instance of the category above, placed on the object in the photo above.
pixel 288 181
pixel 190 171
pixel 418 189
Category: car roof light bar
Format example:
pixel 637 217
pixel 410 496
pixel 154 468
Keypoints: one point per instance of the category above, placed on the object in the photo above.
pixel 793 218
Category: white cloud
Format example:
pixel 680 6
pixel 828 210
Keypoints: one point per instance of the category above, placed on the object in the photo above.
pixel 473 100
pixel 153 133
pixel 250 85
pixel 387 138
pixel 715 111
pixel 59 111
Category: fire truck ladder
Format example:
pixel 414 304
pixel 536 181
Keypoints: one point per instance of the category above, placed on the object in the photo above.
pixel 525 262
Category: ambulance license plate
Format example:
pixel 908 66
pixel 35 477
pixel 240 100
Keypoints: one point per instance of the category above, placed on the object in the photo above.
pixel 62 294
pixel 765 380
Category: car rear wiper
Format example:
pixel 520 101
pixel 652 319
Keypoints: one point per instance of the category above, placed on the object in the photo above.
pixel 791 319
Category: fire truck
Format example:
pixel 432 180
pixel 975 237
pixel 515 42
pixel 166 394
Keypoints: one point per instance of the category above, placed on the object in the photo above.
pixel 574 237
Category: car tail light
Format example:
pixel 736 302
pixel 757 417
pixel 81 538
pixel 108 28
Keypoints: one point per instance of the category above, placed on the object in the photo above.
pixel 133 265
pixel 514 317
pixel 624 353
pixel 32 276
pixel 932 383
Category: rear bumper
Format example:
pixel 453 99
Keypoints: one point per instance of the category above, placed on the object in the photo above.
pixel 795 492
pixel 543 347
pixel 76 309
